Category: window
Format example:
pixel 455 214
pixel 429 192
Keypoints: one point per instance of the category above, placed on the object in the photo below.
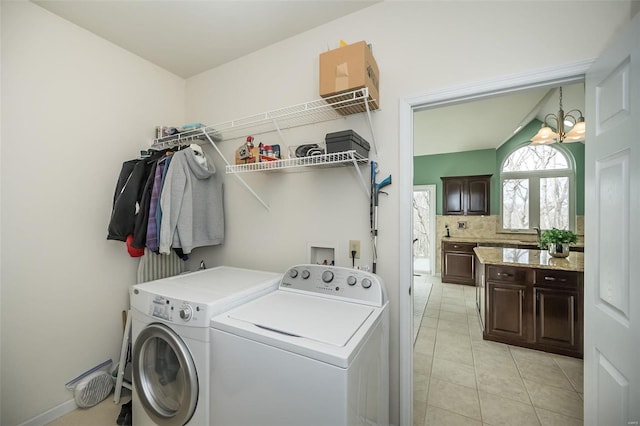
pixel 537 189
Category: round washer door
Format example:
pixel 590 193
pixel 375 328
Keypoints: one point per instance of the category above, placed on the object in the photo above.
pixel 164 376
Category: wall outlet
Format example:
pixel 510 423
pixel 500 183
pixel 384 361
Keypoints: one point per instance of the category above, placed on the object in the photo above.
pixel 354 245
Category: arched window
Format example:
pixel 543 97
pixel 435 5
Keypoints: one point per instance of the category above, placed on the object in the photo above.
pixel 538 189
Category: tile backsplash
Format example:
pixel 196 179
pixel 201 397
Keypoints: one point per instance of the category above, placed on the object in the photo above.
pixel 483 227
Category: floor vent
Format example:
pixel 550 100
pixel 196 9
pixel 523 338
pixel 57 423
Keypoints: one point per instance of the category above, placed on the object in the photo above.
pixel 93 389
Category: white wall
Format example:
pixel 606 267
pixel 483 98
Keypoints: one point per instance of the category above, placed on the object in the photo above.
pixel 74 108
pixel 420 47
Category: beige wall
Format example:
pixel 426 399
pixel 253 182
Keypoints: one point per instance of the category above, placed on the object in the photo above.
pixel 67 95
pixel 74 107
pixel 420 47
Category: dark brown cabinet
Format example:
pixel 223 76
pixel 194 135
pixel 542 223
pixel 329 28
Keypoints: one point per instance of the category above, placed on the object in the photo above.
pixel 466 195
pixel 509 315
pixel 458 263
pixel 509 302
pixel 558 306
pixel 536 308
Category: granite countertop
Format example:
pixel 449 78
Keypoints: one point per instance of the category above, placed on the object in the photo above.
pixel 481 240
pixel 529 258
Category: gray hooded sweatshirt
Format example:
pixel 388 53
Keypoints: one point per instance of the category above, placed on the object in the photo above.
pixel 191 203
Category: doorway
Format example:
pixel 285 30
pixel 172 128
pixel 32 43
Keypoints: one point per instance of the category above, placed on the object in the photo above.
pixel 541 78
pixel 424 218
pixel 424 234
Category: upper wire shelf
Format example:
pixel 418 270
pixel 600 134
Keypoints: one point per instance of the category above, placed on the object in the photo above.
pixel 326 160
pixel 325 109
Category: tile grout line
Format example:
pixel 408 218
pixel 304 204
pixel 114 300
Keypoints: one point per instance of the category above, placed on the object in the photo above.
pixel 475 370
pixel 566 375
pixel 526 388
pixel 440 291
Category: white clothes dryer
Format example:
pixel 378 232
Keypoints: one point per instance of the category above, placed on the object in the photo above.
pixel 313 353
pixel 171 340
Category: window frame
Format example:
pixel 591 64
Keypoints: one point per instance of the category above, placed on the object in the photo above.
pixel 534 177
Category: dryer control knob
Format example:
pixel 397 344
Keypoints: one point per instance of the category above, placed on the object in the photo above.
pixel 293 273
pixel 305 274
pixel 327 276
pixel 351 280
pixel 186 312
pixel 366 283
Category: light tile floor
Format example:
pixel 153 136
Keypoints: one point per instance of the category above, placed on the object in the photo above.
pixel 460 379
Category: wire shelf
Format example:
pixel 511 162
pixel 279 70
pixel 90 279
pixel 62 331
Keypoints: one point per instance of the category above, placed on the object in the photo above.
pixel 325 160
pixel 319 110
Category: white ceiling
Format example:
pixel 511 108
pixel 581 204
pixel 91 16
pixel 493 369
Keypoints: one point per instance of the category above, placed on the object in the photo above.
pixel 187 37
pixel 490 122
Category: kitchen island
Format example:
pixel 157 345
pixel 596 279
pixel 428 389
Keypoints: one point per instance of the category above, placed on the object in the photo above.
pixel 528 298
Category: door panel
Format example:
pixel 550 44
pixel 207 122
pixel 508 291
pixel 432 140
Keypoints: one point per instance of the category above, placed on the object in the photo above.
pixel 508 314
pixel 612 272
pixel 478 197
pixel 453 190
pixel 613 393
pixel 556 319
pixel 612 286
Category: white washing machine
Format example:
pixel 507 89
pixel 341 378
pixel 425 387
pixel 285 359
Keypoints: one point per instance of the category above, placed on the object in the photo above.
pixel 171 340
pixel 312 353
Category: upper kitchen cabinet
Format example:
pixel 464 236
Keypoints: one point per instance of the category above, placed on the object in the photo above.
pixel 466 195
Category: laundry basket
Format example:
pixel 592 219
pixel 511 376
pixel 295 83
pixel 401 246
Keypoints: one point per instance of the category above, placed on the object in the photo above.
pixel 92 386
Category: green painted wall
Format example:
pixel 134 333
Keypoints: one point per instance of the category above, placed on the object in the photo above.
pixel 427 169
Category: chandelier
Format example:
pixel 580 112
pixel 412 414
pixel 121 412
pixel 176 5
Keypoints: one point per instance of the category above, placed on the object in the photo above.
pixel 546 135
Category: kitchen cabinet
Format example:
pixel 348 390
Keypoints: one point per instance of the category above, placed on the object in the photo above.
pixel 530 306
pixel 466 195
pixel 509 312
pixel 558 307
pixel 458 263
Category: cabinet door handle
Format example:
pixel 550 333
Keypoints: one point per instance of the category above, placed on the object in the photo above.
pixel 503 274
pixel 547 278
pixel 455 246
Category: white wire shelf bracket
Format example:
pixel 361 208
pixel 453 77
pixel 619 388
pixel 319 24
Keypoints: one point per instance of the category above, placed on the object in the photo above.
pixel 336 159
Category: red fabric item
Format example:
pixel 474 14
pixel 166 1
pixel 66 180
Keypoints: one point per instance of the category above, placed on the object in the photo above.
pixel 133 252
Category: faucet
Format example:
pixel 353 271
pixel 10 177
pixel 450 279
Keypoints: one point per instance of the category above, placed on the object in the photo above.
pixel 539 233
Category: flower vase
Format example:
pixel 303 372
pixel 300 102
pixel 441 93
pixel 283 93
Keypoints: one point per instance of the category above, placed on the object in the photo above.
pixel 559 249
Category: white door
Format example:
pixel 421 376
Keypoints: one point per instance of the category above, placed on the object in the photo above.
pixel 612 266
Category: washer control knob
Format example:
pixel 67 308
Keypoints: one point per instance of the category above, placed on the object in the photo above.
pixel 305 274
pixel 293 273
pixel 351 280
pixel 327 276
pixel 366 283
pixel 186 312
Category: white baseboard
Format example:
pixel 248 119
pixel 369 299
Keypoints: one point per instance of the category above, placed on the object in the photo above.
pixel 52 414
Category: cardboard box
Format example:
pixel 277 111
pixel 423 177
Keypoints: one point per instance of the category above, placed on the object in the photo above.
pixel 349 68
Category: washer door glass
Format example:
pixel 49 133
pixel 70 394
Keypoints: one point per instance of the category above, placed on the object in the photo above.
pixel 164 376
